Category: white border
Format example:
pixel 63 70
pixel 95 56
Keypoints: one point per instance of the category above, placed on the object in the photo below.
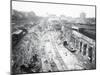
pixel 5 37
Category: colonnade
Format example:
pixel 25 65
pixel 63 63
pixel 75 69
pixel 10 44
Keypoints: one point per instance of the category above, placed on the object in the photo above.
pixel 83 47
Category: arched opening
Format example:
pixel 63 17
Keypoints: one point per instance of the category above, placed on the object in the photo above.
pixel 84 49
pixel 65 43
pixel 80 46
pixel 77 44
pixel 90 54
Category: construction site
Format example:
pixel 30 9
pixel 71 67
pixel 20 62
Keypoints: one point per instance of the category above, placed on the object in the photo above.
pixel 52 43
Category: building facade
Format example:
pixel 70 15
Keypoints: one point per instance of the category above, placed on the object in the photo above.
pixel 84 46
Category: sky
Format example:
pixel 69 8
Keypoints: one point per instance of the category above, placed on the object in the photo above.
pixel 44 9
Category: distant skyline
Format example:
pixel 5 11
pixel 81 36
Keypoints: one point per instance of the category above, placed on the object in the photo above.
pixel 44 9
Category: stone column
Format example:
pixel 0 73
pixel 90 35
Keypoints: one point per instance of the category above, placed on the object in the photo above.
pixel 78 45
pixel 82 48
pixel 74 43
pixel 87 50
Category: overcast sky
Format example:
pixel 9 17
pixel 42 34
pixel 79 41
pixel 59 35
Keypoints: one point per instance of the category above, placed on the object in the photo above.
pixel 43 9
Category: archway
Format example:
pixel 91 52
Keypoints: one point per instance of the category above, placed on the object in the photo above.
pixel 81 46
pixel 84 49
pixel 65 43
pixel 90 53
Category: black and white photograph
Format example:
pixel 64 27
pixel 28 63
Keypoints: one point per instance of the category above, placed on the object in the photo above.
pixel 52 37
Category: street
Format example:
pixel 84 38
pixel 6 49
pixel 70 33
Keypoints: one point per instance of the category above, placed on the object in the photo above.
pixel 63 58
